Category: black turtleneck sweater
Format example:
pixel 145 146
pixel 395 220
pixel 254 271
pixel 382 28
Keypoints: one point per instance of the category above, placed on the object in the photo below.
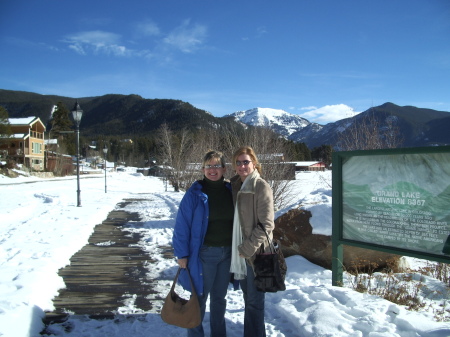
pixel 221 212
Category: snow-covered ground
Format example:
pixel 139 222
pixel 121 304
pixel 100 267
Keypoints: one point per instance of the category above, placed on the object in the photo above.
pixel 42 227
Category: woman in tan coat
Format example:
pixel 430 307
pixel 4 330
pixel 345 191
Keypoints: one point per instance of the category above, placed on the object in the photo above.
pixel 253 199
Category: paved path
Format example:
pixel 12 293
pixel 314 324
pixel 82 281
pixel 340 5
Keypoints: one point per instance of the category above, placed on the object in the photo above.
pixel 106 272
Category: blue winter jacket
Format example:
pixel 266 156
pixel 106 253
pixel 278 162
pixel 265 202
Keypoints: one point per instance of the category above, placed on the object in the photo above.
pixel 189 234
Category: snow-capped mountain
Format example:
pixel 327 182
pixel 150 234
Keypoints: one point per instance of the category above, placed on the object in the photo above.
pixel 416 126
pixel 280 121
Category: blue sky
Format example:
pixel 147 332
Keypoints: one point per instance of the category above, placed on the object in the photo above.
pixel 318 59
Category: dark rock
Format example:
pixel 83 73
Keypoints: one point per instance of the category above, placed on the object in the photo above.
pixel 295 234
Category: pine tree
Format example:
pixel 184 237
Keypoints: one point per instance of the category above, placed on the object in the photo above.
pixel 60 121
pixel 5 127
pixel 5 131
pixel 323 153
pixel 60 124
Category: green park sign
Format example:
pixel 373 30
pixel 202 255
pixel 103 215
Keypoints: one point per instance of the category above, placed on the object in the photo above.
pixel 395 200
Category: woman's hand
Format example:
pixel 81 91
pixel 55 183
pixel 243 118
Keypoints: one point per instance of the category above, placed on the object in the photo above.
pixel 182 263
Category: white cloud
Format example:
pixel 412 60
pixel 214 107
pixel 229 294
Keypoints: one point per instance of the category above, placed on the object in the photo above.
pixel 77 48
pixel 260 31
pixel 22 43
pixel 187 38
pixel 148 28
pixel 95 37
pixel 328 113
pixel 97 41
pixel 311 107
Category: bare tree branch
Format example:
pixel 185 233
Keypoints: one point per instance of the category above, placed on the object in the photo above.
pixel 366 133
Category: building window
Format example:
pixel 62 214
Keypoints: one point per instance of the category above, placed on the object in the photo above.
pixel 37 147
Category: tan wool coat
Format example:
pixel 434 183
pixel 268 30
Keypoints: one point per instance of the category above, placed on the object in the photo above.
pixel 255 204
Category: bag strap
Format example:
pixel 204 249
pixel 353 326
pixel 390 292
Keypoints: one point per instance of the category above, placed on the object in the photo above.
pixel 190 280
pixel 271 245
pixel 175 280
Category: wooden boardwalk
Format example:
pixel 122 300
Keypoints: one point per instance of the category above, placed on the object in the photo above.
pixel 106 272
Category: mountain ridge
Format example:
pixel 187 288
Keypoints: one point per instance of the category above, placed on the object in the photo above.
pixel 417 126
pixel 278 120
pixel 125 115
pixel 114 114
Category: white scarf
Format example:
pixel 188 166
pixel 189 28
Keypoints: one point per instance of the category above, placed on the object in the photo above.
pixel 238 265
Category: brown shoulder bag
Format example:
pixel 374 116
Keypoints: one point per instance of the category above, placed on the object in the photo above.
pixel 179 311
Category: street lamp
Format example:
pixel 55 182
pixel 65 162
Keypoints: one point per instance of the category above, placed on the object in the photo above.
pixel 77 114
pixel 105 151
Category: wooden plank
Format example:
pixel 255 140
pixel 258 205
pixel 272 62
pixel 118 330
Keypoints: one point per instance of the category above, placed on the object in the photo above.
pixel 100 276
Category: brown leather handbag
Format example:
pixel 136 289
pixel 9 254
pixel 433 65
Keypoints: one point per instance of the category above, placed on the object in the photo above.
pixel 179 311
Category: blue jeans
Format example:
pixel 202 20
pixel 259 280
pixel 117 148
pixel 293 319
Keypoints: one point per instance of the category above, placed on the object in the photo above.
pixel 216 277
pixel 254 307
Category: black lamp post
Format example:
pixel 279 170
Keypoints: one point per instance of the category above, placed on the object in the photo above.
pixel 77 114
pixel 105 151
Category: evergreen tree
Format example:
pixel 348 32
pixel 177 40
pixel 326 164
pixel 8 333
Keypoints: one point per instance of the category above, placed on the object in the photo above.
pixel 60 124
pixel 5 127
pixel 323 153
pixel 5 130
pixel 298 151
pixel 60 121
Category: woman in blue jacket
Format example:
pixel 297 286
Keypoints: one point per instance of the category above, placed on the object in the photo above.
pixel 202 241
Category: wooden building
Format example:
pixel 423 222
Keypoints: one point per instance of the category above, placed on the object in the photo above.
pixel 309 166
pixel 26 143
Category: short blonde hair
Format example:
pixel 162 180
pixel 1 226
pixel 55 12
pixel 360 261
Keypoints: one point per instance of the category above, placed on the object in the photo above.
pixel 251 153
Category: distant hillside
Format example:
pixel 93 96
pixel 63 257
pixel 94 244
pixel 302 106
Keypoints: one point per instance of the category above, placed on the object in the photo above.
pixel 132 115
pixel 120 115
pixel 417 126
pixel 115 114
pixel 25 104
